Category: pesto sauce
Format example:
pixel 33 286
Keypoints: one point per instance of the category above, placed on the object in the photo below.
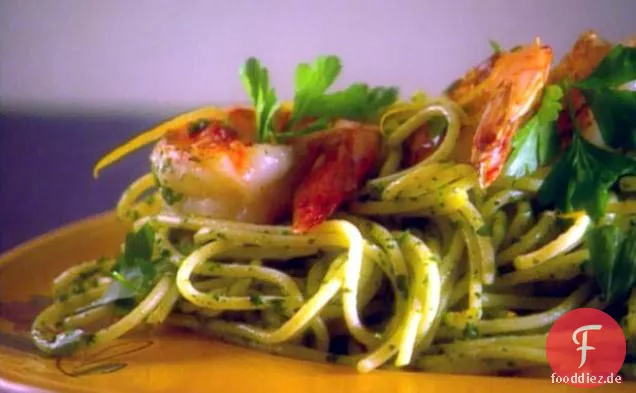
pixel 470 331
pixel 402 285
pixel 256 300
pixel 170 196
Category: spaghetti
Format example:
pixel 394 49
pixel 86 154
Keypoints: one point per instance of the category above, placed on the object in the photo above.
pixel 425 268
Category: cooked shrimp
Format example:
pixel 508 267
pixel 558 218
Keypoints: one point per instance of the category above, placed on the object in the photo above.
pixel 212 168
pixel 209 169
pixel 507 95
pixel 586 54
pixel 496 96
pixel 339 160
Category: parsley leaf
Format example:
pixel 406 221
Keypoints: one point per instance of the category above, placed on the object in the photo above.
pixel 537 142
pixel 255 78
pixel 311 83
pixel 130 283
pixel 357 102
pixel 613 260
pixel 550 104
pixel 617 68
pixel 614 108
pixel 135 272
pixel 582 177
pixel 139 245
pixel 495 46
pixel 311 99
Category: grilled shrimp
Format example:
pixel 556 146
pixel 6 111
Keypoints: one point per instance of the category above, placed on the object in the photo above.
pixel 497 96
pixel 421 144
pixel 587 52
pixel 340 159
pixel 212 169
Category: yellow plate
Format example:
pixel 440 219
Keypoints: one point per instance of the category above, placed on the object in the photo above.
pixel 176 361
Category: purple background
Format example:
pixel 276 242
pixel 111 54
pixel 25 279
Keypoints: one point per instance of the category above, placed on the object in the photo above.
pixel 79 77
pixel 45 169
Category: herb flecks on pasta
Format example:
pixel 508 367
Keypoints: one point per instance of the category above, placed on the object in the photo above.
pixel 348 226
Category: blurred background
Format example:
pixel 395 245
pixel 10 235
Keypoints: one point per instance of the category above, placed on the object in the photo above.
pixel 78 77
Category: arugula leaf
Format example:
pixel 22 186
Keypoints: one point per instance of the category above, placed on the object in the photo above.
pixel 537 142
pixel 614 108
pixel 582 177
pixel 255 78
pixel 613 260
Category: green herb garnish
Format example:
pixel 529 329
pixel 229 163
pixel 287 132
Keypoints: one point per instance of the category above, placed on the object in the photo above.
pixel 357 102
pixel 613 260
pixel 613 106
pixel 169 195
pixel 495 46
pixel 582 177
pixel 256 81
pixel 311 99
pixel 537 142
pixel 135 272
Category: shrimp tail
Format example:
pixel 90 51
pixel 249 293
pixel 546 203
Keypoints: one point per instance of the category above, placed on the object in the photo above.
pixel 339 165
pixel 492 141
pixel 324 189
pixel 512 92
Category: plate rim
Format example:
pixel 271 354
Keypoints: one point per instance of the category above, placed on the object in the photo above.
pixel 16 382
pixel 52 234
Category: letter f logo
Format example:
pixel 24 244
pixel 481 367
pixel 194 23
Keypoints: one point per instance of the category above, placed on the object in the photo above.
pixel 584 347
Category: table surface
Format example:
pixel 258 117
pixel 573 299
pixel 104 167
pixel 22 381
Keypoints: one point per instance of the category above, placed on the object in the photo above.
pixel 45 169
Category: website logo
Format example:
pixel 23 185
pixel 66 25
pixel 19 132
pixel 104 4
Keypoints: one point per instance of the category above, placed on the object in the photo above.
pixel 586 348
